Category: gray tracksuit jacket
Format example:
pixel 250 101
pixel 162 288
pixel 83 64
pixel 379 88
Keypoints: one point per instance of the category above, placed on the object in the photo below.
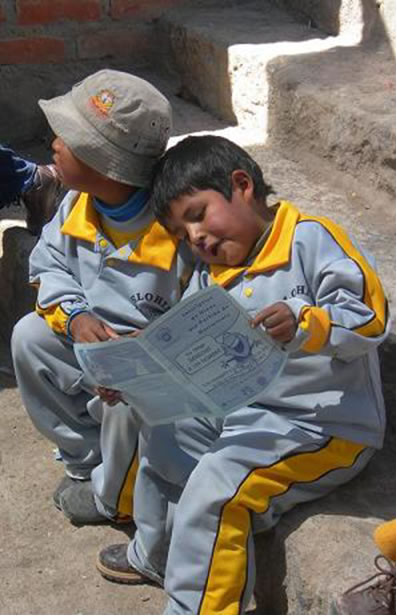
pixel 78 269
pixel 331 382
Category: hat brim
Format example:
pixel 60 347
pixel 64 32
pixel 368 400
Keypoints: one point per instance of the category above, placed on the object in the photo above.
pixel 89 146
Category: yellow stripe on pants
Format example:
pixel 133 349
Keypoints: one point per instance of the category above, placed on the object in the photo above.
pixel 125 502
pixel 226 579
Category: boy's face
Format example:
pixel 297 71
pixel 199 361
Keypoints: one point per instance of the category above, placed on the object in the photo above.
pixel 219 231
pixel 73 172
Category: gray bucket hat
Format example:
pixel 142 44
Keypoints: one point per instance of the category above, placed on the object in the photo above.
pixel 116 123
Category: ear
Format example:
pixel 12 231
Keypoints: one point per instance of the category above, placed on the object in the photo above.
pixel 242 181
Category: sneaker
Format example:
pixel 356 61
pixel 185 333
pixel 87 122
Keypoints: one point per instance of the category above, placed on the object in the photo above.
pixel 112 564
pixel 366 598
pixel 41 200
pixel 65 483
pixel 78 504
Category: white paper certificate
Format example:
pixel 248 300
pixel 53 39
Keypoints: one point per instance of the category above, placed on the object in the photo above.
pixel 201 358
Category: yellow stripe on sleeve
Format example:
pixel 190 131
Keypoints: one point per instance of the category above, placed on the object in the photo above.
pixel 374 296
pixel 55 317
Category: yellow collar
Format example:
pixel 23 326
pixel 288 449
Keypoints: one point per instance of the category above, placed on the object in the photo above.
pixel 275 252
pixel 156 248
pixel 82 222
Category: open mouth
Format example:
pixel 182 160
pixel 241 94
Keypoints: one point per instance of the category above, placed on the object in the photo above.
pixel 209 250
pixel 214 249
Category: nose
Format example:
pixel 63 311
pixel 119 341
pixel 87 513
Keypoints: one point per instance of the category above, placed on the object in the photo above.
pixel 57 144
pixel 195 233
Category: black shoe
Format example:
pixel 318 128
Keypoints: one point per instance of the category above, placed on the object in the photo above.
pixel 42 199
pixel 113 565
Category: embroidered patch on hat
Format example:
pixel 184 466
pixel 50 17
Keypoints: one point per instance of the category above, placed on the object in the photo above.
pixel 103 101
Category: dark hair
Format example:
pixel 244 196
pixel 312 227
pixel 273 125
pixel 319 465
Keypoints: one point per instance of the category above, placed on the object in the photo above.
pixel 201 163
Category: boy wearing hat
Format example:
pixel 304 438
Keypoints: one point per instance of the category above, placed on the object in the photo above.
pixel 104 268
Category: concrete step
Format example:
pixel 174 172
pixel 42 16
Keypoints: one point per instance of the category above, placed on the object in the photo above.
pixel 221 50
pixel 338 105
pixel 255 65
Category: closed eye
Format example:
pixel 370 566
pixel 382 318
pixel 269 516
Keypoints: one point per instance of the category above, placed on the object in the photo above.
pixel 195 215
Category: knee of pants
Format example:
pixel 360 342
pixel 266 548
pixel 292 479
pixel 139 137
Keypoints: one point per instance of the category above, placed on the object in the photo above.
pixel 39 352
pixel 165 455
pixel 26 336
pixel 209 486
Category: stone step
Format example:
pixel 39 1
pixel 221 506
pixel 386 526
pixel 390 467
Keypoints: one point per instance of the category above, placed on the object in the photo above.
pixel 331 98
pixel 338 105
pixel 221 50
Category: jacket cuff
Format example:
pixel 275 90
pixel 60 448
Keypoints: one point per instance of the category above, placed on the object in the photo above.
pixel 314 327
pixel 316 321
pixel 73 314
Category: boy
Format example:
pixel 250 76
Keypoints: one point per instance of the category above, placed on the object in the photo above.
pixel 36 186
pixel 104 267
pixel 203 487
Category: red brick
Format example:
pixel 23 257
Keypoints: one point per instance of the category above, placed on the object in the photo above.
pixel 115 43
pixel 133 8
pixel 46 11
pixel 31 50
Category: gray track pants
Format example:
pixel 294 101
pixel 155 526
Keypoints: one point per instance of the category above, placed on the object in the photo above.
pixel 94 440
pixel 204 487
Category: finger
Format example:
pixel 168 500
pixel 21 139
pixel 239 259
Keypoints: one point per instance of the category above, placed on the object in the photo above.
pixel 110 332
pixel 91 336
pixel 259 318
pixel 266 313
pixel 98 333
pixel 134 334
pixel 281 332
pixel 272 320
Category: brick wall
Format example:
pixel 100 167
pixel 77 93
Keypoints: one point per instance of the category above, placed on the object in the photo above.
pixel 48 31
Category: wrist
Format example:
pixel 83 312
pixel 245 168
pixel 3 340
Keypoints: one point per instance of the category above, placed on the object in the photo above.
pixel 72 315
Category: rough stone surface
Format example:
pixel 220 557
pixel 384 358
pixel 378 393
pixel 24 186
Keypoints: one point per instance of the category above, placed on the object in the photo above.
pixel 357 16
pixel 221 52
pixel 16 298
pixel 362 18
pixel 346 114
pixel 253 65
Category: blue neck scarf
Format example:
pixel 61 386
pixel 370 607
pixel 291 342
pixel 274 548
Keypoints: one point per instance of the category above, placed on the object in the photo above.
pixel 128 210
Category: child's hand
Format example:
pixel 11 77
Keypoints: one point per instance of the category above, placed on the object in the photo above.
pixel 134 334
pixel 279 321
pixel 110 396
pixel 87 328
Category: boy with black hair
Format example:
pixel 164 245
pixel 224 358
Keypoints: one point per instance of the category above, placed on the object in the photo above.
pixel 208 485
pixel 103 267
